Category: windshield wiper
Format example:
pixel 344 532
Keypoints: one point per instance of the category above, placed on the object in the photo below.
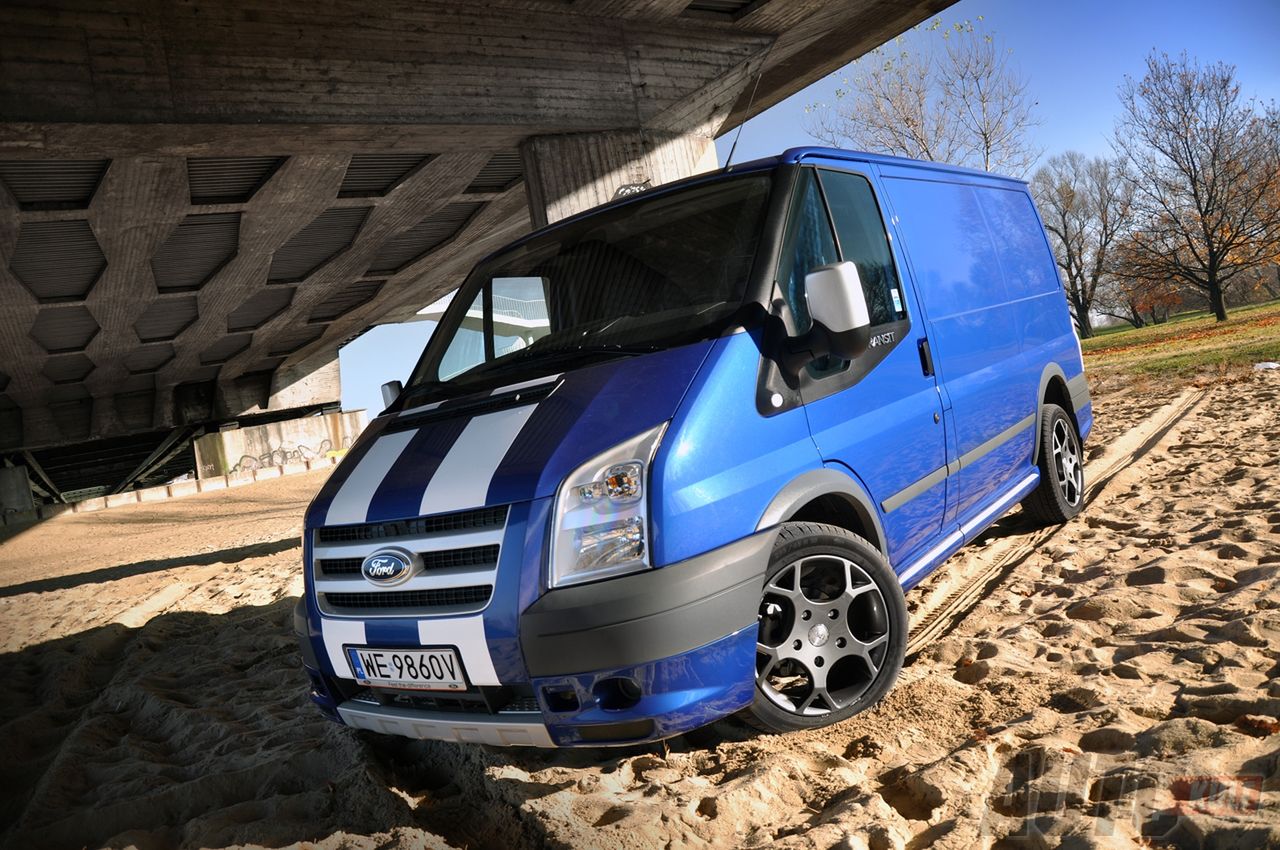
pixel 533 358
pixel 521 366
pixel 422 389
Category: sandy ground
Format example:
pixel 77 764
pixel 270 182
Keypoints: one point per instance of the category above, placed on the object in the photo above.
pixel 1115 685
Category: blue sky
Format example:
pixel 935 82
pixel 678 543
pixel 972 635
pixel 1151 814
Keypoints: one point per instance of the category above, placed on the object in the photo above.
pixel 1074 54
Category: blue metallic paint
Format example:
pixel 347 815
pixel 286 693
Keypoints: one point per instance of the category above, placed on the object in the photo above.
pixel 400 493
pixel 502 617
pixel 592 411
pixel 885 427
pixel 979 283
pixel 721 462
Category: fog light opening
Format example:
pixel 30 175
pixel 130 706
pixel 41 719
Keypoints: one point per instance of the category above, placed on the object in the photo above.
pixel 560 700
pixel 617 693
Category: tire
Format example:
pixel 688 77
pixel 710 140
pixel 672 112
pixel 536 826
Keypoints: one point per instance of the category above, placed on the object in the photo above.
pixel 1060 494
pixel 816 570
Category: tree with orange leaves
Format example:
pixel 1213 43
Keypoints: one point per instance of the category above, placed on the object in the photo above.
pixel 1206 167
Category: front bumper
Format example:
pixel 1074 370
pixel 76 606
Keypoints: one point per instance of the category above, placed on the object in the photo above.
pixel 462 727
pixel 678 640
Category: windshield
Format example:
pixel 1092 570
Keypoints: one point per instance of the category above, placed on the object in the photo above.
pixel 648 275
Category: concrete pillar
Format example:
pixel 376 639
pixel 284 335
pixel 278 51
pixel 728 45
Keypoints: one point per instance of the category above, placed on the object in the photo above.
pixel 15 490
pixel 567 174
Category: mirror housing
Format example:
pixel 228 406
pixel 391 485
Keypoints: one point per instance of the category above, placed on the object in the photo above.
pixel 838 304
pixel 390 392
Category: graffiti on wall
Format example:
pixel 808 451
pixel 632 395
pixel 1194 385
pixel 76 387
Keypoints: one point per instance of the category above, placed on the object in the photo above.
pixel 294 454
pixel 308 438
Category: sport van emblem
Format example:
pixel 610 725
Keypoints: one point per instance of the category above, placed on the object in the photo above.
pixel 387 567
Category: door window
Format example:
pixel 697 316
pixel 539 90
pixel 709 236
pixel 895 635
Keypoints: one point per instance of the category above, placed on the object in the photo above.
pixel 863 242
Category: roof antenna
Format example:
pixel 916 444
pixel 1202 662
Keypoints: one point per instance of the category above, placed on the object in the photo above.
pixel 729 159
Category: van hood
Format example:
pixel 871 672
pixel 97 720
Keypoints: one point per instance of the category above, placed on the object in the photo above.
pixel 508 445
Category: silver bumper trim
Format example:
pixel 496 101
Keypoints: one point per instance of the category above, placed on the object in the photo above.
pixel 460 727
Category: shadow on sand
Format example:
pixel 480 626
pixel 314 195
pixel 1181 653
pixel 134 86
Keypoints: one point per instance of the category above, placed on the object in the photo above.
pixel 195 731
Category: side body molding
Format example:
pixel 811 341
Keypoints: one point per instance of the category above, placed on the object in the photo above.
pixel 815 483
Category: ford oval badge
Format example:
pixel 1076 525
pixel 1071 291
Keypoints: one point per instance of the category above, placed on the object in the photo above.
pixel 387 567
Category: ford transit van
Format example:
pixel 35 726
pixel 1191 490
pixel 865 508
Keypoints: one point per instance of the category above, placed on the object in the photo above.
pixel 680 456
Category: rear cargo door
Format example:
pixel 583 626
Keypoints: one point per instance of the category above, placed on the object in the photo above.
pixel 976 329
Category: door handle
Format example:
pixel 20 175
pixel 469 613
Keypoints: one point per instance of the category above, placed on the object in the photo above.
pixel 926 357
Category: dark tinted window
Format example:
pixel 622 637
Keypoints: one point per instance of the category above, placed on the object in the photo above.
pixel 653 273
pixel 863 242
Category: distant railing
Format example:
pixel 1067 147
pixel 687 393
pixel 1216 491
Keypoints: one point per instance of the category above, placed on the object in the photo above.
pixel 517 308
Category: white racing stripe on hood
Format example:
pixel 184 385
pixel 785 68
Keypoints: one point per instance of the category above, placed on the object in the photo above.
pixel 339 632
pixel 463 477
pixel 351 502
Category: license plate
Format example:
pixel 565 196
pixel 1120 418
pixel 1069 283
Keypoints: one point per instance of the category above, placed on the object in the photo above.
pixel 416 669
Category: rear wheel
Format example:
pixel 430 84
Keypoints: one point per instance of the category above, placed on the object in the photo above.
pixel 1060 493
pixel 833 629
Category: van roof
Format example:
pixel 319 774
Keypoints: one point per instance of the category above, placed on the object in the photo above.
pixel 797 155
pixel 790 156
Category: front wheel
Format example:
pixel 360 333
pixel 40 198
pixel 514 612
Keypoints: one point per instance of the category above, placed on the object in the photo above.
pixel 1060 494
pixel 833 629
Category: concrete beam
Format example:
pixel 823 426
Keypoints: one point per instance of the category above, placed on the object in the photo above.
pixel 568 174
pixel 242 62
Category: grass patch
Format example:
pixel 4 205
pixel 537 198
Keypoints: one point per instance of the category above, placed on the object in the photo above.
pixel 1190 344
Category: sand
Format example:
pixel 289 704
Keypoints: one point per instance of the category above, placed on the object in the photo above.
pixel 1114 683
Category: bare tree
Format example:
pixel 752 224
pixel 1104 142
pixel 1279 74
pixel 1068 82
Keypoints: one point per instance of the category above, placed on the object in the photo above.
pixel 951 97
pixel 1132 297
pixel 1207 176
pixel 1086 206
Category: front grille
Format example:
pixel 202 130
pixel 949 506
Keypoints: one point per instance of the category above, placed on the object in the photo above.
pixel 485 699
pixel 440 598
pixel 473 520
pixel 476 556
pixel 525 703
pixel 340 566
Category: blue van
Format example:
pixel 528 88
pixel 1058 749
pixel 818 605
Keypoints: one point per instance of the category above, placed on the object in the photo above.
pixel 679 457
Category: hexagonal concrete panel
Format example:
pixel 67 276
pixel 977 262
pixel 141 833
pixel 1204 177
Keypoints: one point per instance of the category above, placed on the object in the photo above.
pixel 225 348
pixel 259 308
pixel 327 236
pixel 499 174
pixel 166 318
pixel 67 368
pixel 410 245
pixel 345 298
pixel 229 179
pixel 148 358
pixel 195 251
pixel 373 175
pixel 57 260
pixel 287 343
pixel 60 330
pixel 52 184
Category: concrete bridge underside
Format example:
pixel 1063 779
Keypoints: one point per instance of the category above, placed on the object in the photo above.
pixel 202 202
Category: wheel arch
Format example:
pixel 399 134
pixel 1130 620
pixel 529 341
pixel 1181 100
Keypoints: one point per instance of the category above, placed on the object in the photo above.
pixel 828 496
pixel 1053 390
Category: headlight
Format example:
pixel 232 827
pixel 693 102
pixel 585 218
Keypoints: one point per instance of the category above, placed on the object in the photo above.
pixel 602 518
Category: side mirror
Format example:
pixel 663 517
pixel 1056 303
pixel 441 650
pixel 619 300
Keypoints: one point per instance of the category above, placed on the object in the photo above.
pixel 837 303
pixel 390 392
